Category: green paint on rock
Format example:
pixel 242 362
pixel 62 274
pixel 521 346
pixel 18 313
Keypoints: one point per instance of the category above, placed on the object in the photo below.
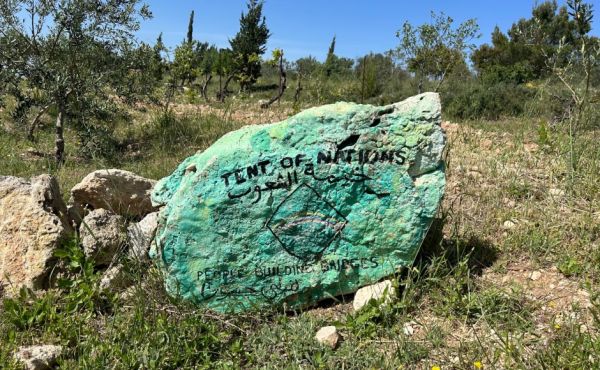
pixel 327 201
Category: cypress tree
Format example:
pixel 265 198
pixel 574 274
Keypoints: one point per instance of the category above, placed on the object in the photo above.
pixel 190 32
pixel 331 58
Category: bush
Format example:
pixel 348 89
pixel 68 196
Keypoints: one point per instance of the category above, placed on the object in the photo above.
pixel 476 101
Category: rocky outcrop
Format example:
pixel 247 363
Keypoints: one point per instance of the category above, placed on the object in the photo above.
pixel 119 191
pixel 319 205
pixel 33 224
pixel 102 235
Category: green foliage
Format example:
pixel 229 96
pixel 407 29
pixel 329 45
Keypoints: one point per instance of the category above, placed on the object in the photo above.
pixel 157 63
pixel 80 281
pixel 141 73
pixel 573 65
pixel 475 100
pixel 375 71
pixel 307 66
pixel 249 44
pixel 27 311
pixel 434 50
pixel 335 65
pixel 190 31
pixel 78 293
pixel 187 64
pixel 522 55
pixel 70 50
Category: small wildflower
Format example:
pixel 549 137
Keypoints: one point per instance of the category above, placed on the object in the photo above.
pixel 556 326
pixel 435 367
pixel 478 365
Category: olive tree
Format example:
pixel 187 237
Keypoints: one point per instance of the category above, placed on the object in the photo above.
pixel 71 50
pixel 433 49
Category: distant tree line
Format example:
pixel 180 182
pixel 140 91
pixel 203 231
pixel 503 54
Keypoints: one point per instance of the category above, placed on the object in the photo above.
pixel 78 61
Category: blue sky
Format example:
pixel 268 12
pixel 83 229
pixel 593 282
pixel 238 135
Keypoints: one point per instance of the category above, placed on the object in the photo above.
pixel 306 27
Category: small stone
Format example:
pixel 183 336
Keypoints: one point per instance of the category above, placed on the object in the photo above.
pixel 38 357
pixel 408 329
pixel 329 336
pixel 508 225
pixel 102 235
pixel 556 192
pixel 531 147
pixel 383 291
pixel 190 169
pixel 535 275
pixel 487 143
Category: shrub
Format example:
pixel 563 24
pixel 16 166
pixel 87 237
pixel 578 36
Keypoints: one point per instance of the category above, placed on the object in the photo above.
pixel 475 101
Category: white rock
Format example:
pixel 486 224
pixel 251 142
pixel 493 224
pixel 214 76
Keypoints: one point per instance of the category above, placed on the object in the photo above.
pixel 535 275
pixel 140 236
pixel 33 224
pixel 408 329
pixel 102 235
pixel 122 192
pixel 509 224
pixel 329 336
pixel 556 192
pixel 383 291
pixel 38 357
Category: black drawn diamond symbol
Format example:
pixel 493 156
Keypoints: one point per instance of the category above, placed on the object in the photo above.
pixel 305 223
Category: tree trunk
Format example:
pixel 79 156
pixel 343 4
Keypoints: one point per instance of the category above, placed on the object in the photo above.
pixel 226 86
pixel 172 85
pixel 282 85
pixel 223 88
pixel 59 142
pixel 34 123
pixel 362 85
pixel 204 91
pixel 220 95
pixel 298 90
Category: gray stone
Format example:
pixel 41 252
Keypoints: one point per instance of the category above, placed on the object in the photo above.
pixel 383 291
pixel 38 357
pixel 33 224
pixel 140 236
pixel 102 235
pixel 119 191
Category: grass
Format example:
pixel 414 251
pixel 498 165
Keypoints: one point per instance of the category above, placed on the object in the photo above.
pixel 470 298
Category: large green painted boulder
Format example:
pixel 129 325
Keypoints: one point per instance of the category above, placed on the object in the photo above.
pixel 329 200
